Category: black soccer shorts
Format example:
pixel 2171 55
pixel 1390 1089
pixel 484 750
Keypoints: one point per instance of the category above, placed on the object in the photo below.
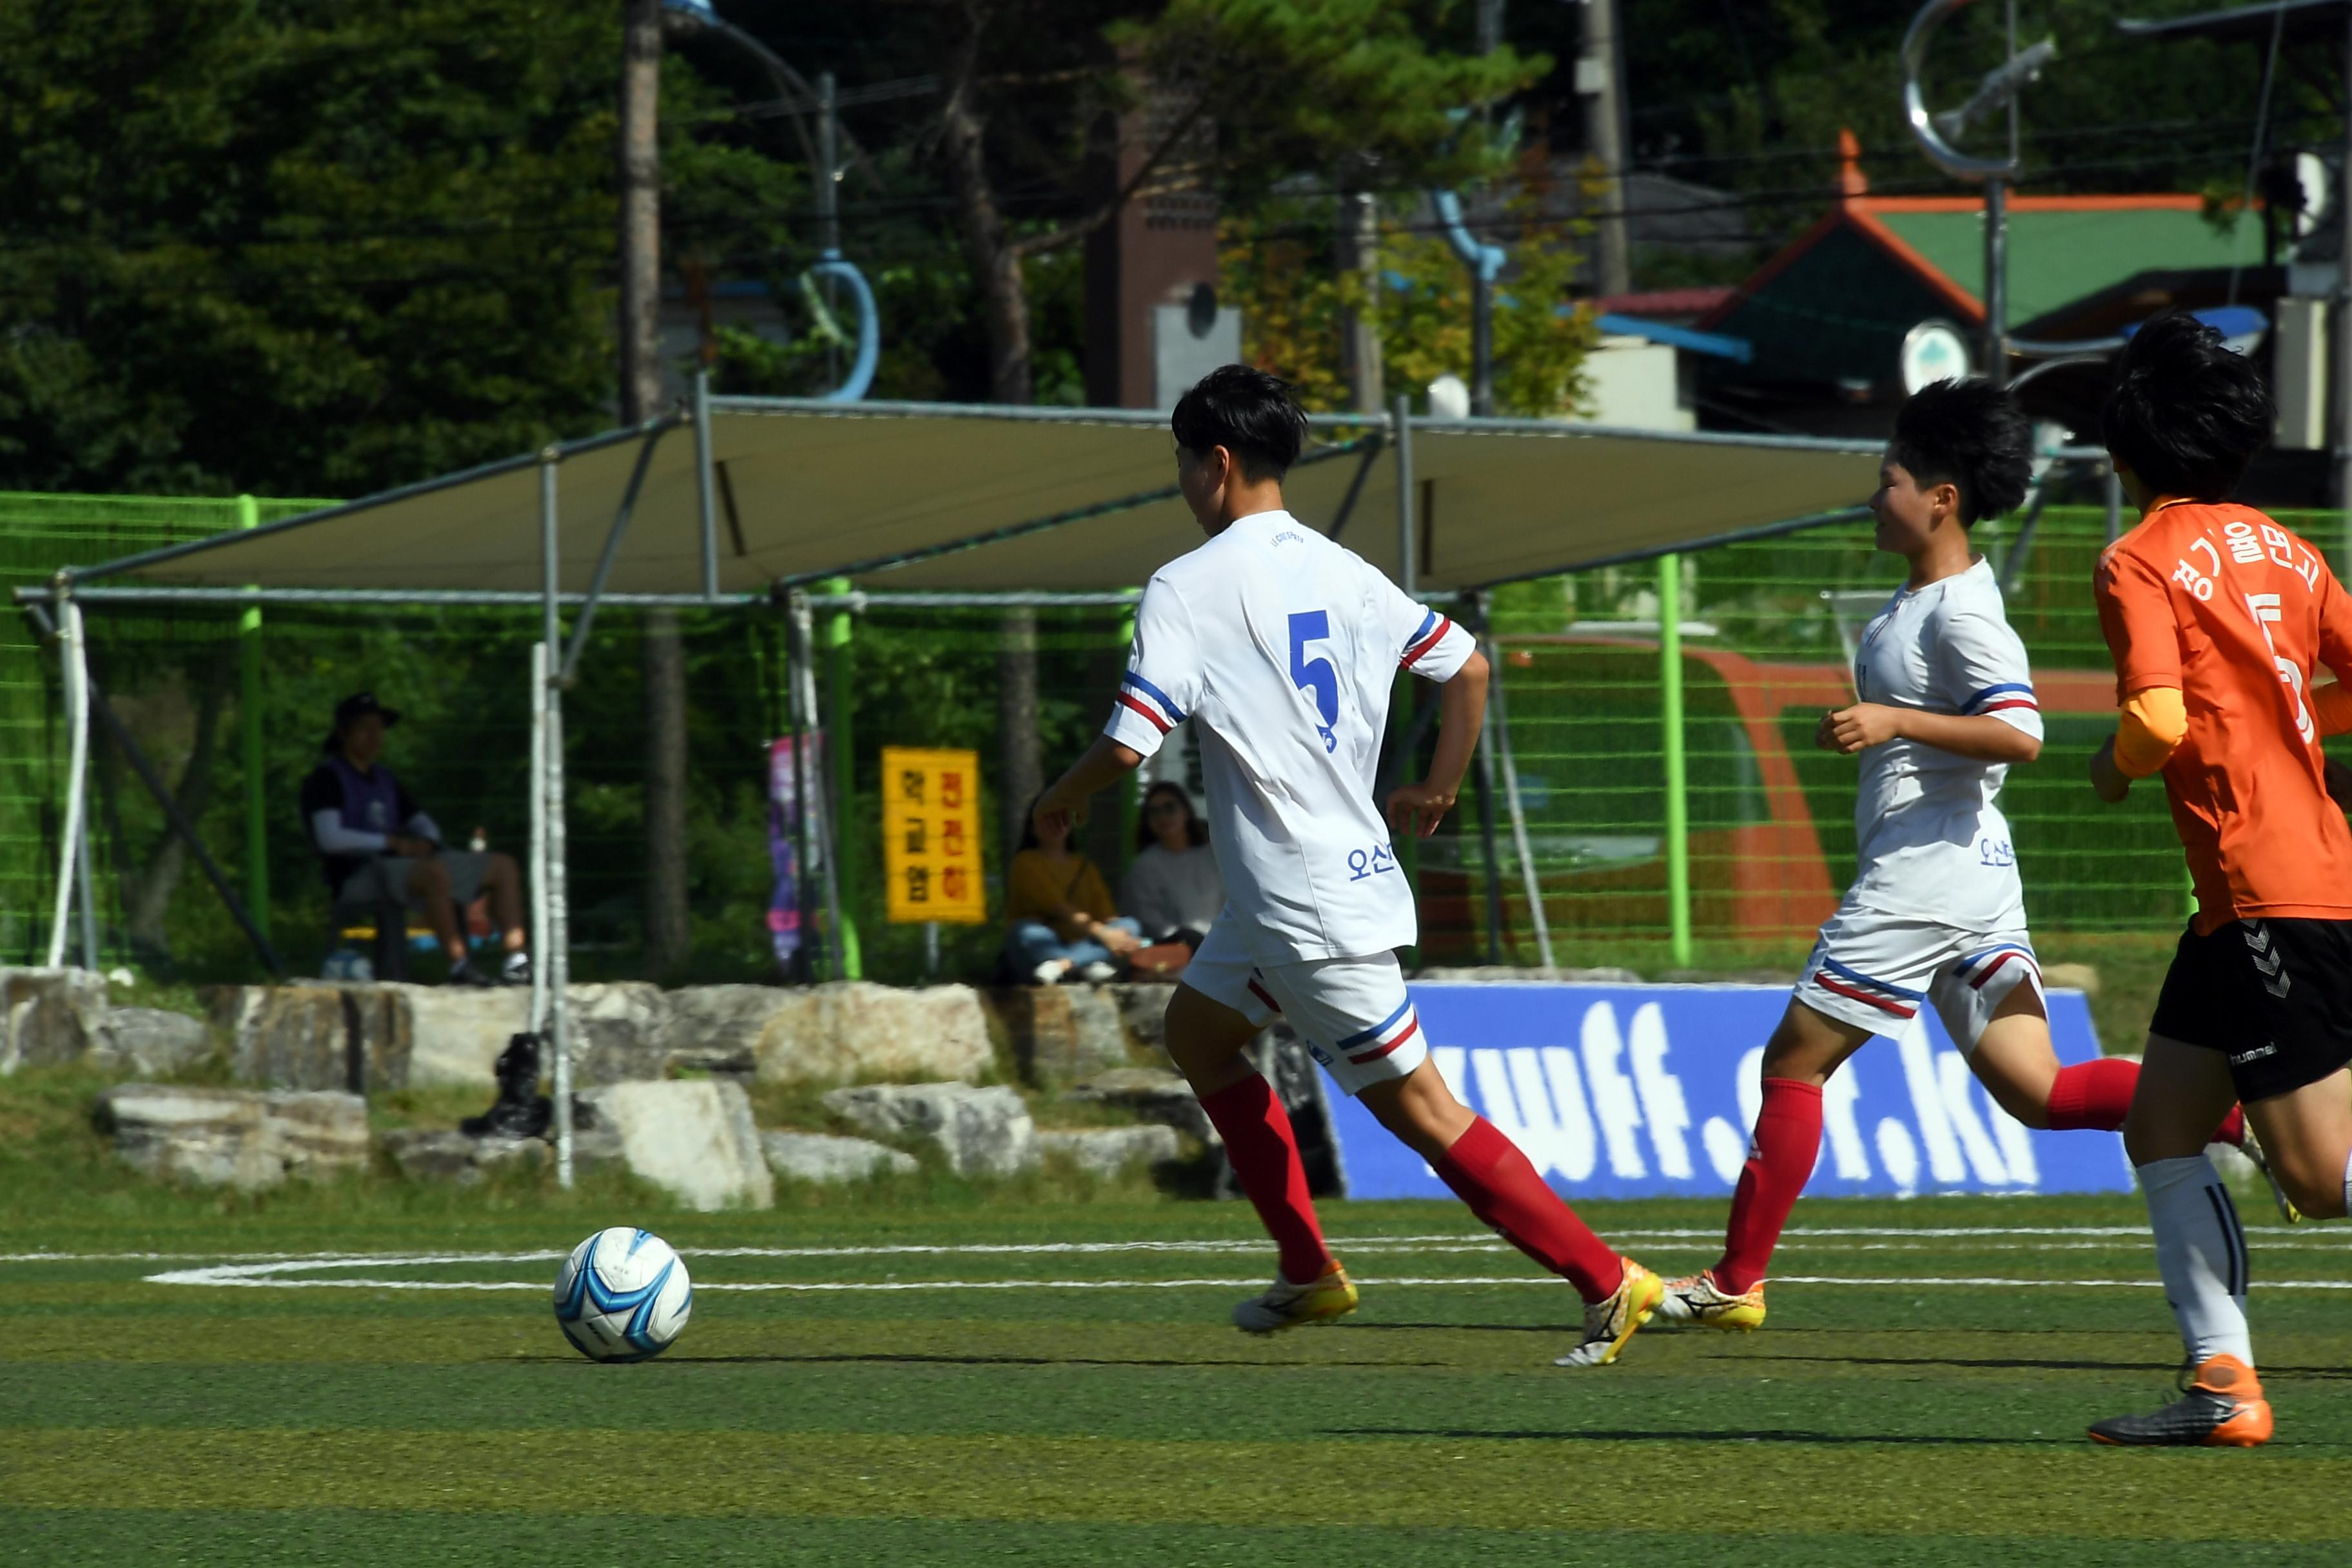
pixel 2274 996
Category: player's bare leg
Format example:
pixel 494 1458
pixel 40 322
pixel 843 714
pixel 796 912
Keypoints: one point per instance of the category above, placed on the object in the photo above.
pixel 1490 1173
pixel 2019 1067
pixel 1804 1050
pixel 1208 1042
pixel 2201 1252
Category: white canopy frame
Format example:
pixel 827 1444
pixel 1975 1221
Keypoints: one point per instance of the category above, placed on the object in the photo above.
pixel 451 541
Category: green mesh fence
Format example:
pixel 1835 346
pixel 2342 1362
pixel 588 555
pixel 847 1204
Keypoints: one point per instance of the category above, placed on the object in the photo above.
pixel 1768 627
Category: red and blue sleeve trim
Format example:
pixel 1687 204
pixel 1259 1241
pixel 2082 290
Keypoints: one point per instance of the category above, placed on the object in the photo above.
pixel 1433 632
pixel 1150 701
pixel 1993 699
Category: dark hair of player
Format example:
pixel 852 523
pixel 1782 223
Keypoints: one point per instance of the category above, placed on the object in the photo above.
pixel 2186 414
pixel 1248 413
pixel 1971 435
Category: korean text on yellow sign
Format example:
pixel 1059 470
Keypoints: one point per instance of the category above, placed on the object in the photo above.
pixel 930 836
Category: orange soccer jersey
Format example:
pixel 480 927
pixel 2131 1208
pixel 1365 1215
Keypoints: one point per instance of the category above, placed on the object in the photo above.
pixel 2237 611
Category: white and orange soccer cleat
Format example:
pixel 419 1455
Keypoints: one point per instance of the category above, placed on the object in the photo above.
pixel 2222 1407
pixel 1699 1300
pixel 1609 1323
pixel 1283 1305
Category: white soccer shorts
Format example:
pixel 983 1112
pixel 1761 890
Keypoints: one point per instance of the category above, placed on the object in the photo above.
pixel 1352 1013
pixel 1874 970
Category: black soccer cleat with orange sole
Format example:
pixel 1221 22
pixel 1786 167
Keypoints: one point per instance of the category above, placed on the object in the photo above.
pixel 2223 1408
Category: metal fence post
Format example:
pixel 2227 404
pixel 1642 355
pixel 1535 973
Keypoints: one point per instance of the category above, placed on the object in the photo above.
pixel 248 721
pixel 1670 691
pixel 842 752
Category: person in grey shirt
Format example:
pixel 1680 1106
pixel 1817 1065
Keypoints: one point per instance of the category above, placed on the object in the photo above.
pixel 1172 888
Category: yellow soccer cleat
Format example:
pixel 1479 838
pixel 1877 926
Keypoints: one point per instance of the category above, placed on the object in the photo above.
pixel 1286 1306
pixel 1607 1324
pixel 1698 1299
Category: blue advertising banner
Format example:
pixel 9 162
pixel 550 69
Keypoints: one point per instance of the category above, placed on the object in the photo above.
pixel 1635 1091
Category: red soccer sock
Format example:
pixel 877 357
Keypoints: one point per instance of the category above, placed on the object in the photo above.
pixel 1264 1153
pixel 2095 1094
pixel 2098 1094
pixel 1490 1173
pixel 1780 1162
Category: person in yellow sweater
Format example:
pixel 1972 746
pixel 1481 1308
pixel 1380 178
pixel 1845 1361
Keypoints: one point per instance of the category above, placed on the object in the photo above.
pixel 1060 915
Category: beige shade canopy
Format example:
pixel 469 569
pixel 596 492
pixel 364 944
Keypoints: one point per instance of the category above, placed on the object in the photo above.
pixel 944 498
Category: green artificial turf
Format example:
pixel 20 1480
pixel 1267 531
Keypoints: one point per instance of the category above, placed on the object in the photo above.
pixel 1060 1401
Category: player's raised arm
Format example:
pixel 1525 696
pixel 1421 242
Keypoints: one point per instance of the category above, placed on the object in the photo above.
pixel 1418 808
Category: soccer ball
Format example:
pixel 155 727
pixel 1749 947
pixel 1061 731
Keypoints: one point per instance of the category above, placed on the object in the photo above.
pixel 623 1295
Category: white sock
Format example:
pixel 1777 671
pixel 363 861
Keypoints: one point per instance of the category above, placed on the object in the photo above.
pixel 2201 1253
pixel 2347 1183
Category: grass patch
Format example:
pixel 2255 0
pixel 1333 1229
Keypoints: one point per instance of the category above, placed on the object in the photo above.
pixel 1065 1401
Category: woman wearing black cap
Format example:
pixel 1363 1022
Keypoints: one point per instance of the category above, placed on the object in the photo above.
pixel 377 846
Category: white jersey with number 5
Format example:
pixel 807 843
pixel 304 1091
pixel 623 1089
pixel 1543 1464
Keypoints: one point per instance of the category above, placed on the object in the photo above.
pixel 1282 647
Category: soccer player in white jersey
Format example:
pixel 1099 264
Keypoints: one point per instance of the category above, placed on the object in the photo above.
pixel 1936 914
pixel 1281 649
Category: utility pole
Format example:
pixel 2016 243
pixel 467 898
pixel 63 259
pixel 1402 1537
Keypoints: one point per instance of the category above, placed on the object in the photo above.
pixel 2343 344
pixel 1599 86
pixel 829 205
pixel 662 651
pixel 1482 288
pixel 1360 326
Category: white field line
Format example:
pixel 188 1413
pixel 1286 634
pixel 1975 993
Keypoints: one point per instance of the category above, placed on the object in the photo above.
pixel 231 1276
pixel 1888 1237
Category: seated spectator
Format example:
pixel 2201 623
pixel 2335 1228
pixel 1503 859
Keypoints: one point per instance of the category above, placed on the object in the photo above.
pixel 1172 889
pixel 1060 915
pixel 376 846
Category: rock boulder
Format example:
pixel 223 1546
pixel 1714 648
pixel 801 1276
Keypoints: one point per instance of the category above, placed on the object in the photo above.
pixel 1150 1093
pixel 149 1042
pixel 237 1138
pixel 825 1034
pixel 1062 1032
pixel 983 1131
pixel 693 1138
pixel 48 1017
pixel 817 1157
pixel 1105 1151
pixel 445 1154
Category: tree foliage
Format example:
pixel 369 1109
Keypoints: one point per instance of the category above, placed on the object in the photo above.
pixel 1291 304
pixel 310 248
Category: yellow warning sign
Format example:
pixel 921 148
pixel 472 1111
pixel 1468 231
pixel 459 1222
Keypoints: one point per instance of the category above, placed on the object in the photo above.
pixel 930 836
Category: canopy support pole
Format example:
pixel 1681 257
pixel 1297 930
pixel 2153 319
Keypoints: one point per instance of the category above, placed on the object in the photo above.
pixel 248 722
pixel 554 961
pixel 705 486
pixel 1670 683
pixel 1405 531
pixel 2114 485
pixel 540 656
pixel 1502 727
pixel 840 750
pixel 75 667
pixel 611 551
pixel 1372 444
pixel 1487 847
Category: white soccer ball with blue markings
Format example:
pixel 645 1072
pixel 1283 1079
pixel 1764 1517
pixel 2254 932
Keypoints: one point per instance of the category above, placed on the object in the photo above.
pixel 623 1295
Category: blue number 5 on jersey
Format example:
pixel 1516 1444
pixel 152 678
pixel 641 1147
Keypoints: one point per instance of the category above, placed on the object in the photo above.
pixel 1316 675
